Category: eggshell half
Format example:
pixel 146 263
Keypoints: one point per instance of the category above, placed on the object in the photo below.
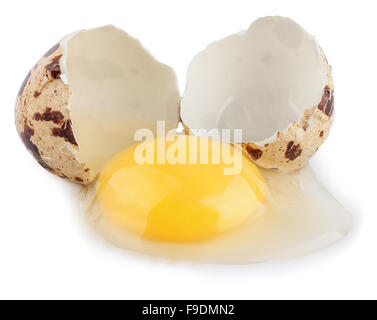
pixel 86 98
pixel 43 120
pixel 273 82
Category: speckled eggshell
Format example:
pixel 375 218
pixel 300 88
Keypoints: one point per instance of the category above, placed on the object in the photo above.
pixel 291 149
pixel 43 120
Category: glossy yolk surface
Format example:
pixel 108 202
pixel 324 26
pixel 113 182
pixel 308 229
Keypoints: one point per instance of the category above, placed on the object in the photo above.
pixel 179 202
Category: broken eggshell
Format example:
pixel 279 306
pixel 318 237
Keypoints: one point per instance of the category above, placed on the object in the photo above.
pixel 43 120
pixel 86 97
pixel 273 82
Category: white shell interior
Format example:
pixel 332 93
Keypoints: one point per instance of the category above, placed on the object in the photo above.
pixel 117 88
pixel 260 80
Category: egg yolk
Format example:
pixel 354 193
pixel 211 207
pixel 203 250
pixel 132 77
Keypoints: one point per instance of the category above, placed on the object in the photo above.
pixel 180 192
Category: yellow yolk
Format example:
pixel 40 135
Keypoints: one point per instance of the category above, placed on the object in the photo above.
pixel 171 193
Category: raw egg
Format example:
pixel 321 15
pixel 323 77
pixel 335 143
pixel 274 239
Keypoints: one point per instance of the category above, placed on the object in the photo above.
pixel 223 210
pixel 190 197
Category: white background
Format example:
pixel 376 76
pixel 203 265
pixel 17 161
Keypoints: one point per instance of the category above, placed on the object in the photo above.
pixel 47 251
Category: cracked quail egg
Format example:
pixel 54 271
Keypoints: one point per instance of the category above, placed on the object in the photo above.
pixel 79 108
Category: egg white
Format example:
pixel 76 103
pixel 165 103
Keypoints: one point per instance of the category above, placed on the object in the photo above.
pixel 299 217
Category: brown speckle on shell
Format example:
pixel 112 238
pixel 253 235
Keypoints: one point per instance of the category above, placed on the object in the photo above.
pixel 36 94
pixel 330 107
pixel 321 134
pixel 65 131
pixel 78 179
pixel 49 115
pixel 293 151
pixel 254 153
pixel 327 102
pixel 54 67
